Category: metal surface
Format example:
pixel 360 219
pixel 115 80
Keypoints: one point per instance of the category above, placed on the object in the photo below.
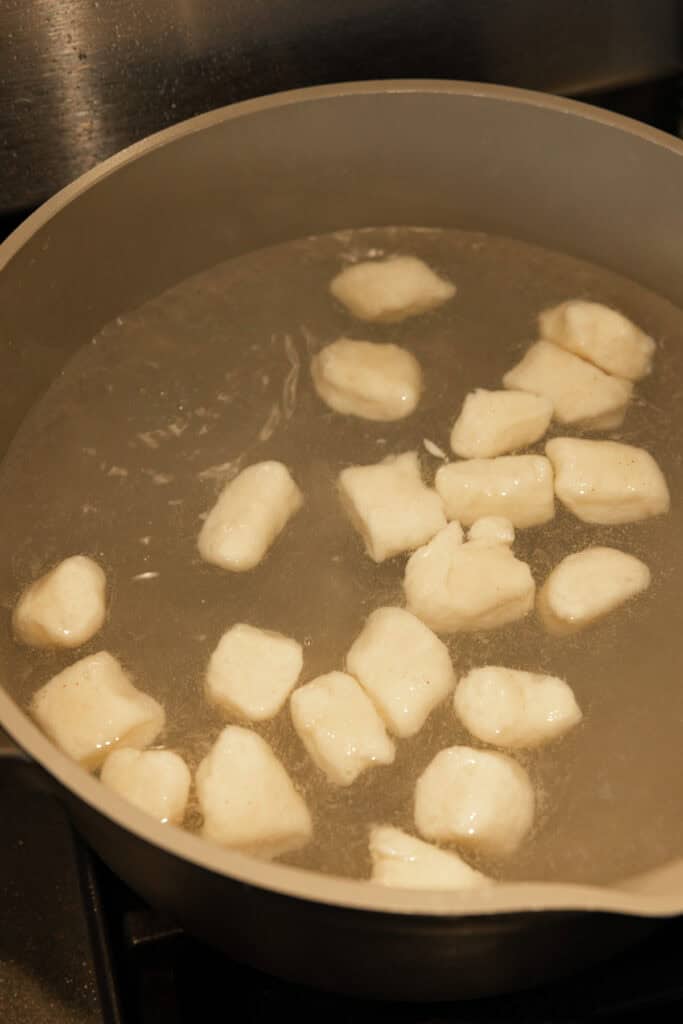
pixel 79 79
pixel 53 965
pixel 544 170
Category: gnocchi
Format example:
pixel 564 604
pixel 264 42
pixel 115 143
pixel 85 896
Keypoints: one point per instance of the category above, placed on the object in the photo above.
pixel 250 513
pixel 92 706
pixel 588 585
pixel 390 506
pixel 340 727
pixel 516 487
pixel 496 422
pixel 248 800
pixel 65 607
pixel 509 708
pixel 403 861
pixel 581 394
pixel 155 781
pixel 607 482
pixel 252 672
pixel 480 799
pixel 391 289
pixel 601 335
pixel 456 587
pixel 372 381
pixel 403 667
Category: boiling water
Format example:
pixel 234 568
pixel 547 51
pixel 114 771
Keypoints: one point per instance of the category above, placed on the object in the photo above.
pixel 136 437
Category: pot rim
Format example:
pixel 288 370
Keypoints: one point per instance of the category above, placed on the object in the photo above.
pixel 649 895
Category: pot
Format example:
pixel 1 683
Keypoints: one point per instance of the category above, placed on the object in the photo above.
pixel 440 154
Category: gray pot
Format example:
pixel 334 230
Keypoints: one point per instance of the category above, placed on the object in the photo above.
pixel 432 153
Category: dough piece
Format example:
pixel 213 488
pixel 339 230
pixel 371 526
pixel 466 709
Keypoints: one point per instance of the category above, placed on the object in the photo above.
pixel 508 708
pixel 252 672
pixel 338 725
pixel 390 290
pixel 156 781
pixel 495 422
pixel 516 487
pixel 588 585
pixel 492 530
pixel 403 667
pixel 480 799
pixel 390 506
pixel 247 798
pixel 361 378
pixel 65 607
pixel 580 393
pixel 403 861
pixel 250 512
pixel 455 587
pixel 92 707
pixel 607 482
pixel 601 335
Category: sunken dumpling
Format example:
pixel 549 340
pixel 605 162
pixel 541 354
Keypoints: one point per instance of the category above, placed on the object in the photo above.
pixel 403 667
pixel 340 728
pixel 250 513
pixel 252 672
pixel 480 799
pixel 390 290
pixel 455 587
pixel 496 422
pixel 581 394
pixel 588 585
pixel 361 378
pixel 403 861
pixel 155 781
pixel 601 335
pixel 248 800
pixel 516 487
pixel 607 482
pixel 509 708
pixel 390 506
pixel 92 706
pixel 65 607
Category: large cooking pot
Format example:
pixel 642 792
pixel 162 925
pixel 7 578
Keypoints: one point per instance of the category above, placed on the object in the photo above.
pixel 444 154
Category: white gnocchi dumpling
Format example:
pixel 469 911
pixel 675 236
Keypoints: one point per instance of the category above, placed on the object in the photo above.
pixel 390 506
pixel 402 861
pixel 492 530
pixel 588 585
pixel 403 667
pixel 155 781
pixel 92 706
pixel 248 800
pixel 606 481
pixel 601 335
pixel 509 708
pixel 516 487
pixel 65 607
pixel 480 799
pixel 495 422
pixel 373 381
pixel 390 290
pixel 250 513
pixel 581 393
pixel 252 672
pixel 455 587
pixel 339 727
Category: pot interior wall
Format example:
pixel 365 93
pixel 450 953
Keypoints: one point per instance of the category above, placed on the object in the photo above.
pixel 337 158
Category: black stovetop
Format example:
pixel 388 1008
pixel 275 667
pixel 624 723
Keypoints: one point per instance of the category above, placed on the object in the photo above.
pixel 77 947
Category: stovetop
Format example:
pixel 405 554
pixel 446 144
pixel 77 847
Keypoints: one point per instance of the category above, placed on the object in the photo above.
pixel 78 947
